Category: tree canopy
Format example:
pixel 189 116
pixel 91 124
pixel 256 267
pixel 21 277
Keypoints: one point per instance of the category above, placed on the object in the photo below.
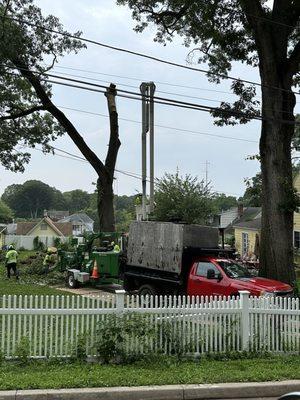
pixel 6 213
pixel 182 198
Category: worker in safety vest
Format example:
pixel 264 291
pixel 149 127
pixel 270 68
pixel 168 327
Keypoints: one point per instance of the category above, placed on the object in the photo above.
pixel 116 247
pixel 11 259
pixel 48 260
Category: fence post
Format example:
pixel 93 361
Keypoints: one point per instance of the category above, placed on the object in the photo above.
pixel 120 300
pixel 245 319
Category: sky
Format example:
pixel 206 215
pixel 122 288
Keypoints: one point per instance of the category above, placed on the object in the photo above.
pixel 224 160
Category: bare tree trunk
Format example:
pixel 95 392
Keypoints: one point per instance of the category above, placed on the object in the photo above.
pixel 105 181
pixel 278 198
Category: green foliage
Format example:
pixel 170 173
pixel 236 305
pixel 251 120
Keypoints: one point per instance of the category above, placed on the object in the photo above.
pixel 57 242
pixel 253 193
pixel 79 351
pixel 30 199
pixel 221 202
pixel 117 332
pixel 123 220
pixel 76 200
pixel 37 244
pixel 22 351
pixel 6 213
pixel 182 199
pixel 27 47
pixel 158 371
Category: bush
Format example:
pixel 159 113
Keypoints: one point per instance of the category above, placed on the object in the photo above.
pixel 56 242
pixel 38 245
pixel 22 351
pixel 118 333
pixel 79 350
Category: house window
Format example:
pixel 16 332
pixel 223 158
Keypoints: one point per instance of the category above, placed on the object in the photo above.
pixel 297 240
pixel 245 243
pixel 43 227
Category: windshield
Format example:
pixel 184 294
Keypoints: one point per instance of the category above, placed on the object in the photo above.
pixel 234 270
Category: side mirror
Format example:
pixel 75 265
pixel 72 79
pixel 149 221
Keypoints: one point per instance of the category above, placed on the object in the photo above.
pixel 211 274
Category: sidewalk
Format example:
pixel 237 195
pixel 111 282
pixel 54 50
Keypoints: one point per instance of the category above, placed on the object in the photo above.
pixel 233 391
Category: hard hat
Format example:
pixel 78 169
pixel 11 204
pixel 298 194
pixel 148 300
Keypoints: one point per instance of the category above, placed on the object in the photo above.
pixel 112 243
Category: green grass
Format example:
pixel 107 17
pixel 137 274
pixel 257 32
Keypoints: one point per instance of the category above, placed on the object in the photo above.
pixel 24 286
pixel 38 375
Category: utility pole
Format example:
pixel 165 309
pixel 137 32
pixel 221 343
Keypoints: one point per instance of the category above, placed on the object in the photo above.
pixel 207 163
pixel 147 90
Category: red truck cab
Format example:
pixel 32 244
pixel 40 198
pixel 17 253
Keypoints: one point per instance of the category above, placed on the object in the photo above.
pixel 210 276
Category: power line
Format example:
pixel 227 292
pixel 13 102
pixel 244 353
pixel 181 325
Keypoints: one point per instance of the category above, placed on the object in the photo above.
pixel 162 126
pixel 75 157
pixel 142 55
pixel 141 79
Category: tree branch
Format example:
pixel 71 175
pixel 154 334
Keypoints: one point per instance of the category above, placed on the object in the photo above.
pixel 114 141
pixel 61 118
pixel 23 113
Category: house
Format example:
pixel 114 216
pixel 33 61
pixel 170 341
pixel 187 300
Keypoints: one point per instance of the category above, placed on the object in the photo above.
pixel 296 236
pixel 44 227
pixel 247 236
pixel 56 215
pixel 2 235
pixel 81 223
pixel 236 215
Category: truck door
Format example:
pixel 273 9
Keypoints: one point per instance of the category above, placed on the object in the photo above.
pixel 202 283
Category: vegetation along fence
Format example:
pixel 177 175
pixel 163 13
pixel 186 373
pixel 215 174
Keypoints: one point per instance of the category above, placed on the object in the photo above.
pixel 55 326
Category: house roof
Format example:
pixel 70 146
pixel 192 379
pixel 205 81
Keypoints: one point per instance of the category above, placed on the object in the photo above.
pixel 11 229
pixel 79 217
pixel 255 224
pixel 249 213
pixel 62 229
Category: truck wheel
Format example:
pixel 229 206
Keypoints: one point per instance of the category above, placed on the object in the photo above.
pixel 147 290
pixel 71 281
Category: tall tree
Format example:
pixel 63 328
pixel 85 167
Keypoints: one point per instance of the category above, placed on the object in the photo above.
pixel 6 213
pixel 30 199
pixel 259 33
pixel 182 198
pixel 76 200
pixel 28 116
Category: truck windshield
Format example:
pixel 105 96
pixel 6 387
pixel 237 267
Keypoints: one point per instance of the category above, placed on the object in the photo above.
pixel 234 270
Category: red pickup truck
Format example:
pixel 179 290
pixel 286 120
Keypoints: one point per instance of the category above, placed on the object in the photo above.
pixel 167 258
pixel 211 276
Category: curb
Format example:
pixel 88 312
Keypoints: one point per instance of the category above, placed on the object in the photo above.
pixel 233 391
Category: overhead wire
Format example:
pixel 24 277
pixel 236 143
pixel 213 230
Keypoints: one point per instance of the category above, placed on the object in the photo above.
pixel 159 100
pixel 142 55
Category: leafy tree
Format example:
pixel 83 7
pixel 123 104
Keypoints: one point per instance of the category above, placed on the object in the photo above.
pixel 29 48
pixel 6 213
pixel 253 193
pixel 221 202
pixel 30 199
pixel 123 220
pixel 76 200
pixel 263 34
pixel 182 198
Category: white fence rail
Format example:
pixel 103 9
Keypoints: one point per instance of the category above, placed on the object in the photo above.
pixel 53 324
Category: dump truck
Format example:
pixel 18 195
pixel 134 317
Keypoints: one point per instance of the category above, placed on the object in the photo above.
pixel 166 258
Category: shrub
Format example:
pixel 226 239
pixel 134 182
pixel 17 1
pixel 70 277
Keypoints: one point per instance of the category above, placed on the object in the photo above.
pixel 123 338
pixel 22 351
pixel 38 245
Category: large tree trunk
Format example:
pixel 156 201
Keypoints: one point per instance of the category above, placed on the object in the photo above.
pixel 105 205
pixel 278 199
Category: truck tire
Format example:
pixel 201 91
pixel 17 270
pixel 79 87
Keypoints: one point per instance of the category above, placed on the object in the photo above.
pixel 149 290
pixel 71 281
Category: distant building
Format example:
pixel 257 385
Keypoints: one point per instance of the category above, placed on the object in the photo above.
pixel 44 227
pixel 81 223
pixel 56 215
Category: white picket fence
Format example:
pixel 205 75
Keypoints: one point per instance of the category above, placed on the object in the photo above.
pixel 53 324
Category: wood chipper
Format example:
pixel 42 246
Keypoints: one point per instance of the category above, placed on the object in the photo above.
pixel 96 261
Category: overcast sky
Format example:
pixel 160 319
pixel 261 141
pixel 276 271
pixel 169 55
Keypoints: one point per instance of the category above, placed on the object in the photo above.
pixel 103 21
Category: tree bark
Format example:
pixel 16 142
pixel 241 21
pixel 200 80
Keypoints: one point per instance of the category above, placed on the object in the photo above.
pixel 278 198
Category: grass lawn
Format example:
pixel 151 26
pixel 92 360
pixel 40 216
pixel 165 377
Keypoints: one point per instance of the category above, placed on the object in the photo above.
pixel 27 285
pixel 38 375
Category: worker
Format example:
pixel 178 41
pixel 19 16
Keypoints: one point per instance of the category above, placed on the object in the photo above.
pixel 115 247
pixel 47 261
pixel 11 262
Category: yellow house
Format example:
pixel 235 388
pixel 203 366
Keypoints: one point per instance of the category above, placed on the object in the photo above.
pixel 44 227
pixel 247 237
pixel 297 215
pixel 247 234
pixel 2 236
